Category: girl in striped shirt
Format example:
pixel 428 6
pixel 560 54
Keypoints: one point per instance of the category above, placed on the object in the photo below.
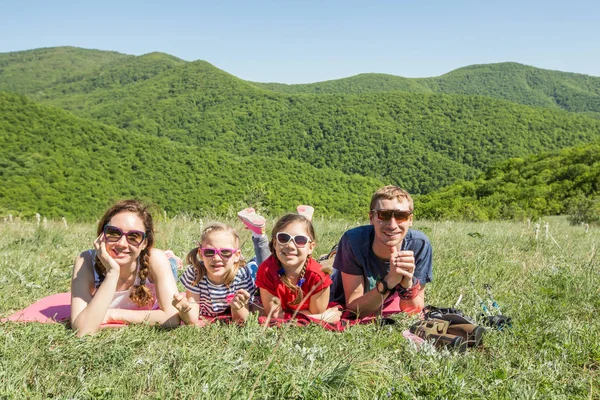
pixel 217 281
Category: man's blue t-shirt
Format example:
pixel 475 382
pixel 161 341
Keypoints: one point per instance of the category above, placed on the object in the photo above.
pixel 355 256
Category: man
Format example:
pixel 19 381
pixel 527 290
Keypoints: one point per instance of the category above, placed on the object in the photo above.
pixel 384 264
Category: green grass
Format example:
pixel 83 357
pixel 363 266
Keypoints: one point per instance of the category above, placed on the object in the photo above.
pixel 550 287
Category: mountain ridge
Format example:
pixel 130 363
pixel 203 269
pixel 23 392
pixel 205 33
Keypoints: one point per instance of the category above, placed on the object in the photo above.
pixel 531 85
pixel 422 140
pixel 439 138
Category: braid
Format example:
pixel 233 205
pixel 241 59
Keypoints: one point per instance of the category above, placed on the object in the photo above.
pixel 141 295
pixel 145 261
pixel 295 288
pixel 99 267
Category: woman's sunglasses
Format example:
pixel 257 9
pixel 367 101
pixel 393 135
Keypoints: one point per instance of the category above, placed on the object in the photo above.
pixel 113 234
pixel 284 238
pixel 386 215
pixel 210 252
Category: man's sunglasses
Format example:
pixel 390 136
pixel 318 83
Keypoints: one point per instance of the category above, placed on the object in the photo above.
pixel 284 238
pixel 386 215
pixel 113 234
pixel 210 252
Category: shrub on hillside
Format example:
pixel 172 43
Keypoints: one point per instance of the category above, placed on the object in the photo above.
pixel 584 210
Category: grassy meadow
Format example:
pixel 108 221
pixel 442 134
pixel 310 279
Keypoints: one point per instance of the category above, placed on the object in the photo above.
pixel 550 288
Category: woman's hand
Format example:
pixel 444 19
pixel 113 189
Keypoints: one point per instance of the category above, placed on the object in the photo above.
pixel 102 252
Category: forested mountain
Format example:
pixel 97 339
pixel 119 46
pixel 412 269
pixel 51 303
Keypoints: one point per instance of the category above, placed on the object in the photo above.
pixel 120 73
pixel 32 70
pixel 226 126
pixel 434 139
pixel 509 81
pixel 60 165
pixel 566 181
pixel 358 84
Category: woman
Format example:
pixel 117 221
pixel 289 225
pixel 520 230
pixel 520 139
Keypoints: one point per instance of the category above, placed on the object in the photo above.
pixel 124 278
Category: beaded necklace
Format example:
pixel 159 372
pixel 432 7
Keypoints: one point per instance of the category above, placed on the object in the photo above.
pixel 301 278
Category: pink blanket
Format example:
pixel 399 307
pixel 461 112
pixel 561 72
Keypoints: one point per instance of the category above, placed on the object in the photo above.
pixel 52 309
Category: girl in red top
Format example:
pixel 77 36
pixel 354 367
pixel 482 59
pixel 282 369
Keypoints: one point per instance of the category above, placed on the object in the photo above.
pixel 292 275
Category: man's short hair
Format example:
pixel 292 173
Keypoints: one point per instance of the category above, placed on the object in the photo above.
pixel 391 192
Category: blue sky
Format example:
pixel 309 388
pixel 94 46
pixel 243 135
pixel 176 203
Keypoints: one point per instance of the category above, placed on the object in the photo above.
pixel 310 41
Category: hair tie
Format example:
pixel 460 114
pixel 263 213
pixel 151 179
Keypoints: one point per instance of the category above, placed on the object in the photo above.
pixel 301 281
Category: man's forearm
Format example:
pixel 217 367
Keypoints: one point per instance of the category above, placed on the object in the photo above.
pixel 415 304
pixel 372 301
pixel 368 303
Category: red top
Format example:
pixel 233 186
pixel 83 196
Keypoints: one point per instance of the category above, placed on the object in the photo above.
pixel 267 278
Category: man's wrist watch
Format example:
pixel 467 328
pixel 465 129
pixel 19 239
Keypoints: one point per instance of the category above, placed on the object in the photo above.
pixel 382 287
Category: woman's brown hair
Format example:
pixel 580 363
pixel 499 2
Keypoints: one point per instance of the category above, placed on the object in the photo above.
pixel 141 295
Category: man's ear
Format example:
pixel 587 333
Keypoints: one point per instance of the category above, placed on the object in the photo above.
pixel 410 220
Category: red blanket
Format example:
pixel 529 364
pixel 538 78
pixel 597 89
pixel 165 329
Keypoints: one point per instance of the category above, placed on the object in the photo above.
pixel 348 318
pixel 57 308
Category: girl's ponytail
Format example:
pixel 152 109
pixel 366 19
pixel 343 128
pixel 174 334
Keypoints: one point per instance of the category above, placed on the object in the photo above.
pixel 200 269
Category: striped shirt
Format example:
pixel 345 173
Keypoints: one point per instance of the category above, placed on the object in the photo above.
pixel 215 299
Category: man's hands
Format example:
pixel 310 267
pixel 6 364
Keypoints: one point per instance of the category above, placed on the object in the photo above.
pixel 402 267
